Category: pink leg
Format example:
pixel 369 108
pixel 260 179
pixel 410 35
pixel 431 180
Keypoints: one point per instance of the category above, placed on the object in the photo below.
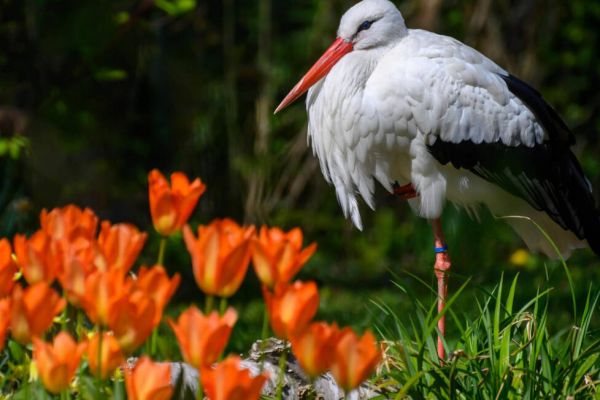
pixel 441 267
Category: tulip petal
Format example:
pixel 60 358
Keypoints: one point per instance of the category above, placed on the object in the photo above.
pixel 263 265
pixel 234 269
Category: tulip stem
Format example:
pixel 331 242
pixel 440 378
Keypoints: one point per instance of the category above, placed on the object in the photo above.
pixel 79 324
pixel 222 305
pixel 161 250
pixel 64 317
pixel 153 342
pixel 99 361
pixel 282 363
pixel 200 393
pixel 118 388
pixel 64 395
pixel 263 342
pixel 210 304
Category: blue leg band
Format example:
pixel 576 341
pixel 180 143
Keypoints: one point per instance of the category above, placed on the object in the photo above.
pixel 439 250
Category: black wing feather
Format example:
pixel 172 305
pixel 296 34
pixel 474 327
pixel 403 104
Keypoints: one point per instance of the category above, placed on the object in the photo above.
pixel 547 176
pixel 557 130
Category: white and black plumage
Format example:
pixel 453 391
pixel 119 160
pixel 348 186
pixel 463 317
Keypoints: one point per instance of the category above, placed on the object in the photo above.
pixel 410 107
pixel 398 105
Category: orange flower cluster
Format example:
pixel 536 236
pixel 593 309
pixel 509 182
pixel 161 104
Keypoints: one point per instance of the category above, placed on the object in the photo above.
pixel 202 340
pixel 220 255
pixel 130 308
pixel 93 272
pixel 318 346
pixel 222 250
pixel 92 262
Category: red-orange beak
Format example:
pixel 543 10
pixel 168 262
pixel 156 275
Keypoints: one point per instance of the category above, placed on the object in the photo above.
pixel 334 53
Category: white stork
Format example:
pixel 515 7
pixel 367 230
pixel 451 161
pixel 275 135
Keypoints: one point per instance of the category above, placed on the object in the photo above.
pixel 409 107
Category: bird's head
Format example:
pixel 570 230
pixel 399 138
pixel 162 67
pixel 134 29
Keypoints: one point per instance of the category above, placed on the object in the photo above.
pixel 370 24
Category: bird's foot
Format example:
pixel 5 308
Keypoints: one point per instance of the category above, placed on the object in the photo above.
pixel 405 192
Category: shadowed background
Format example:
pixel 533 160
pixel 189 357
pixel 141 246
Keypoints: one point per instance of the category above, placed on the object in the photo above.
pixel 95 94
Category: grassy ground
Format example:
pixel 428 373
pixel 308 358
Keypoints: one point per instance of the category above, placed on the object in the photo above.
pixel 504 351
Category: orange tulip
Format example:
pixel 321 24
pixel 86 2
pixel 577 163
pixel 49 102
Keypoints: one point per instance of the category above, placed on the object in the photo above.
pixel 111 357
pixel 220 256
pixel 38 257
pixel 79 257
pixel 278 256
pixel 8 269
pixel 57 362
pixel 171 206
pixel 314 347
pixel 4 320
pixel 69 222
pixel 149 381
pixel 291 307
pixel 156 283
pixel 71 232
pixel 32 311
pixel 105 293
pixel 201 338
pixel 133 320
pixel 355 359
pixel 228 381
pixel 120 244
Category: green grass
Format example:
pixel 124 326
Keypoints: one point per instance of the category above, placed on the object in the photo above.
pixel 503 352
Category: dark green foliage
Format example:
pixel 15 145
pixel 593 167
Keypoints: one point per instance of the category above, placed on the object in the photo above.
pixel 109 90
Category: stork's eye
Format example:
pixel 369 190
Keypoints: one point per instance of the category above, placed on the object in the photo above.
pixel 364 26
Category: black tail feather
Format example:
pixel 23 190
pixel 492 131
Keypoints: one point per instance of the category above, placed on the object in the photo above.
pixel 574 201
pixel 592 234
pixel 578 193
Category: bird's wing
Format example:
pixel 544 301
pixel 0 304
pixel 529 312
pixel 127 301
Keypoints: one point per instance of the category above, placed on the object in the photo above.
pixel 478 117
pixel 444 89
